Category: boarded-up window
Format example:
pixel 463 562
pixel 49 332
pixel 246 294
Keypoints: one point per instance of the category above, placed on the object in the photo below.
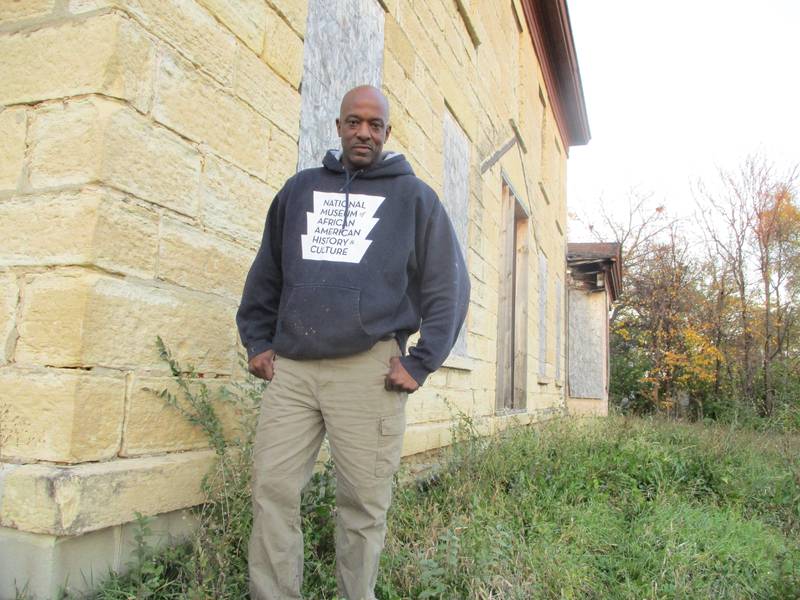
pixel 343 49
pixel 559 326
pixel 512 310
pixel 542 314
pixel 456 193
pixel 588 344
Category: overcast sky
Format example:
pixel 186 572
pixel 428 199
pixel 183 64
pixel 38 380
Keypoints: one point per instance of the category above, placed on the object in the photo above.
pixel 675 89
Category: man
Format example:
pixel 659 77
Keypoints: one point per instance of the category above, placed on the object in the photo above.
pixel 355 256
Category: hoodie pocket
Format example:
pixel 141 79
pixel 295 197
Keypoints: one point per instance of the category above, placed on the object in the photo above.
pixel 321 321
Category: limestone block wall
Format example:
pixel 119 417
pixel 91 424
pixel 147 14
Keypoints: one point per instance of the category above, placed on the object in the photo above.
pixel 141 142
pixel 495 90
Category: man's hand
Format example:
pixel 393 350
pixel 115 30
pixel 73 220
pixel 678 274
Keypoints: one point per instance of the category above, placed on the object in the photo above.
pixel 398 379
pixel 262 365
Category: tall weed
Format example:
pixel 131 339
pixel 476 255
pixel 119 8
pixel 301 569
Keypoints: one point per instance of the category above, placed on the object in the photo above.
pixel 591 508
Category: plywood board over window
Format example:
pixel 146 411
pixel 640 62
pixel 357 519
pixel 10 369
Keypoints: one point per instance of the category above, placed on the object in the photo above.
pixel 559 293
pixel 512 311
pixel 455 193
pixel 542 316
pixel 343 48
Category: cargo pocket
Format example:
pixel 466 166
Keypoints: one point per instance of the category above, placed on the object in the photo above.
pixel 390 444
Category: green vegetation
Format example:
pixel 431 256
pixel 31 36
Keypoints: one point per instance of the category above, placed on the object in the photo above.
pixel 617 508
pixel 705 325
pixel 606 508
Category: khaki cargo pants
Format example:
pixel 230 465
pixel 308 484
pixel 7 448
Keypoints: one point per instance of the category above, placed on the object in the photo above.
pixel 344 397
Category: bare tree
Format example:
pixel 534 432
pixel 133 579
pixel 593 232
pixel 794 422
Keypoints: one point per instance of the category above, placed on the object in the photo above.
pixel 727 221
pixel 752 224
pixel 639 227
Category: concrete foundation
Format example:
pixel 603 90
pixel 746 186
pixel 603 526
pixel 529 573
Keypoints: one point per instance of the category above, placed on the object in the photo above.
pixel 38 566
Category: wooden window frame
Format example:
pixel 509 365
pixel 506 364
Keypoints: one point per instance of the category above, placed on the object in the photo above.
pixel 512 308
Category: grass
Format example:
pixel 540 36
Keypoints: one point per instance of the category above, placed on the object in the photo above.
pixel 612 508
pixel 588 508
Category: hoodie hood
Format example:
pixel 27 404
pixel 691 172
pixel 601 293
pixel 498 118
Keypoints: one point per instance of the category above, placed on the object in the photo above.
pixel 391 164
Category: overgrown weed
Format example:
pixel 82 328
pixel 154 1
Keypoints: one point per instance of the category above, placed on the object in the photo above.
pixel 573 508
pixel 615 508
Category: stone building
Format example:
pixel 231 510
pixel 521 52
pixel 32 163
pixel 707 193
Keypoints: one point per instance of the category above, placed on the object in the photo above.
pixel 594 282
pixel 141 142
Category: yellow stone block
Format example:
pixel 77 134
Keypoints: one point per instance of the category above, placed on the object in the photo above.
pixel 419 108
pixel 456 401
pixel 427 85
pixel 125 238
pixel 152 426
pixel 53 62
pixel 484 347
pixel 89 226
pixel 13 127
pixel 419 144
pixel 283 49
pixel 426 436
pixel 73 500
pixel 282 159
pixel 198 108
pixel 60 415
pixel 399 120
pixel 182 247
pixel 459 101
pixel 417 439
pixel 93 139
pixel 396 41
pixel 433 158
pixel 394 82
pixel 480 322
pixel 441 13
pixel 67 142
pixel 585 407
pixel 415 406
pixel 294 12
pixel 234 202
pixel 9 297
pixel 261 88
pixel 435 406
pixel 500 423
pixel 51 321
pixel 482 375
pixel 182 24
pixel 79 318
pixel 11 10
pixel 435 379
pixel 245 18
pixel 426 51
pixel 458 380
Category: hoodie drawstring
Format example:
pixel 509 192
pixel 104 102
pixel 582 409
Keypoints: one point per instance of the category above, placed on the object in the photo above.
pixel 346 189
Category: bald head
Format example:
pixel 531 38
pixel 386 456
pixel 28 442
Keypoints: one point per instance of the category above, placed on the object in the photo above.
pixel 363 126
pixel 364 92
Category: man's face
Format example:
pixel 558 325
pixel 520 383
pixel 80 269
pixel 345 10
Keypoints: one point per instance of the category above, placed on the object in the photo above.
pixel 363 125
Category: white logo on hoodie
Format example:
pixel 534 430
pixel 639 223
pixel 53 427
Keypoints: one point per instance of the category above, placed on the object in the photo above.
pixel 328 237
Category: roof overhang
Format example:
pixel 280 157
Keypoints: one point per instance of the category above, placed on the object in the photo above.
pixel 592 258
pixel 551 33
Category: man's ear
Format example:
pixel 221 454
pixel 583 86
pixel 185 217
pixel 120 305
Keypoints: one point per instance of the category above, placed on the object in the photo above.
pixel 338 128
pixel 388 132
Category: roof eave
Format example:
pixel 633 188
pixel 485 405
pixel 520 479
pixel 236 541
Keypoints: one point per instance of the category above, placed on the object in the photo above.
pixel 551 34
